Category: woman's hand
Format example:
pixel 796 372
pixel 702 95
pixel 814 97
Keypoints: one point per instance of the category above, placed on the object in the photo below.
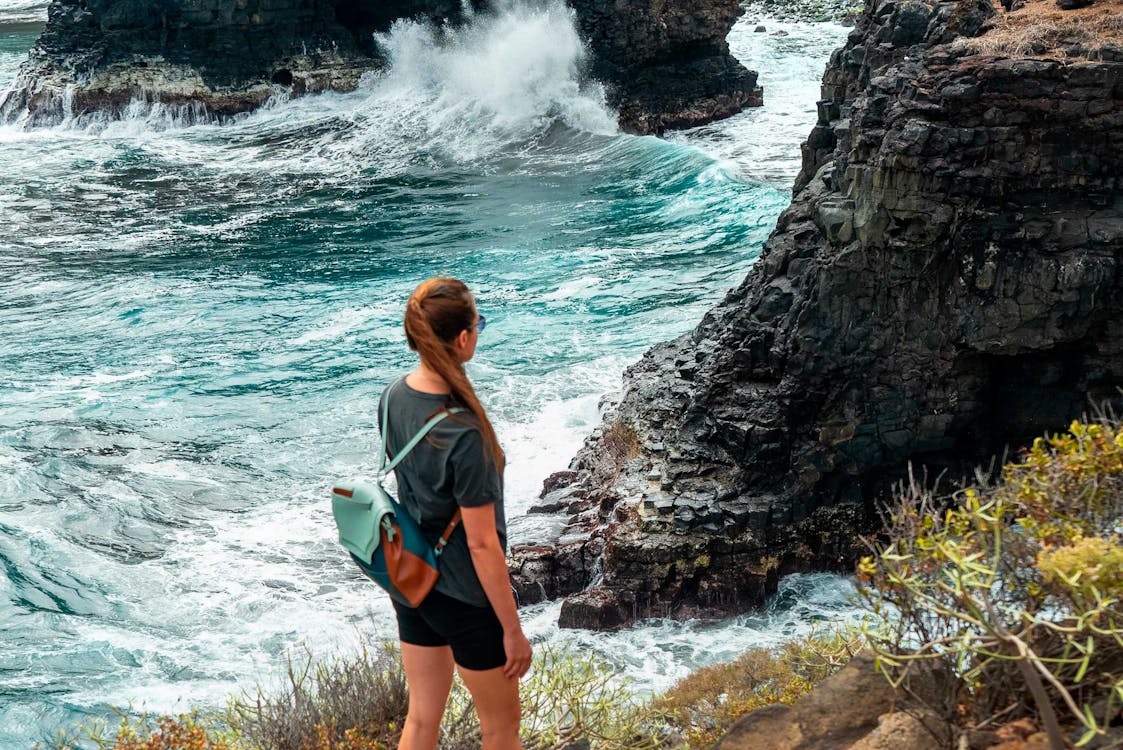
pixel 518 653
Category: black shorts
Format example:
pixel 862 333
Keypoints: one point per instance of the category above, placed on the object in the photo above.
pixel 473 633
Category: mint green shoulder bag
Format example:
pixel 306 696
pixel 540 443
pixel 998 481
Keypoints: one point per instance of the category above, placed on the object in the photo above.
pixel 362 508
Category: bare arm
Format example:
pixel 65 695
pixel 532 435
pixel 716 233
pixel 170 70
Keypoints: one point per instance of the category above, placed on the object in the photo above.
pixel 491 567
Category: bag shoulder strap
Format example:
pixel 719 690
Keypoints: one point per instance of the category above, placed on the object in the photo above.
pixel 385 468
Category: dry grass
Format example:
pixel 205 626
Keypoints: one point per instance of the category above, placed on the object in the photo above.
pixel 1040 29
pixel 338 704
pixel 704 704
pixel 359 701
pixel 622 442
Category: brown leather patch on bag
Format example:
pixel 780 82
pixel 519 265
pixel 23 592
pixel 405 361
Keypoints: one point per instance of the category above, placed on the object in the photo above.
pixel 411 575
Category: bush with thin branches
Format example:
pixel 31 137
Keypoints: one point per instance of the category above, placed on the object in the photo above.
pixel 354 703
pixel 1008 594
pixel 360 702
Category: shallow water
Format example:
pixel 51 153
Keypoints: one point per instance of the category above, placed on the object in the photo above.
pixel 195 322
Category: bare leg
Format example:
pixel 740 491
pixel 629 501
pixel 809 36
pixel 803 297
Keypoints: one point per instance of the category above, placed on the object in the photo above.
pixel 429 675
pixel 497 703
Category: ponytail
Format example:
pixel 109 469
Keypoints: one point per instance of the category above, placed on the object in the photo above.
pixel 437 311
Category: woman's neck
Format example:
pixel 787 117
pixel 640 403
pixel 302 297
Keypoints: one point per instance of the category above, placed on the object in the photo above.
pixel 427 381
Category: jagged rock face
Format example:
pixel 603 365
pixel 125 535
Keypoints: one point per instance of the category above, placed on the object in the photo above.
pixel 665 65
pixel 226 56
pixel 947 283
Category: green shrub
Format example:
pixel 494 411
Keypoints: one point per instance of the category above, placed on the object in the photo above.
pixel 353 703
pixel 569 696
pixel 705 703
pixel 1008 594
pixel 360 702
pixel 194 731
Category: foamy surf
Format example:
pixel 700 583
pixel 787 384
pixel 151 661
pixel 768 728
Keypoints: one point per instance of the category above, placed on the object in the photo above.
pixel 456 94
pixel 197 320
pixel 21 12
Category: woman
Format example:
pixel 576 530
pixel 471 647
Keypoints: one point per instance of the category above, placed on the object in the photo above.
pixel 469 619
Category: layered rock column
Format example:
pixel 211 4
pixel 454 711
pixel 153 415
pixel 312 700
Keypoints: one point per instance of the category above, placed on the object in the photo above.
pixel 947 283
pixel 664 64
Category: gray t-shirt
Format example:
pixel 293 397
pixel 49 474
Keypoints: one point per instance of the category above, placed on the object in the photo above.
pixel 447 469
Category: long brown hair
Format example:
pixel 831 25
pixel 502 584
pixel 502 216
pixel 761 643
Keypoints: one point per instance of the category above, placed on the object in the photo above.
pixel 437 311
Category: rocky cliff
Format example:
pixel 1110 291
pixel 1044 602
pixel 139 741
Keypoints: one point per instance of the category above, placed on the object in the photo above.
pixel 667 64
pixel 664 64
pixel 947 283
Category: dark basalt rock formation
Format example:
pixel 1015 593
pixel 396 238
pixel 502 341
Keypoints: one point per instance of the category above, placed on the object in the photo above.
pixel 220 57
pixel 947 283
pixel 667 64
pixel 664 65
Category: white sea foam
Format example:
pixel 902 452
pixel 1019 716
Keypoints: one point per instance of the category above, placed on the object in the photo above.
pixel 101 378
pixel 23 11
pixel 339 324
pixel 458 94
pixel 511 72
pixel 183 377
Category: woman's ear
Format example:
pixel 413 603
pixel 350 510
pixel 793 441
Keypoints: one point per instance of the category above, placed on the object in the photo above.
pixel 462 340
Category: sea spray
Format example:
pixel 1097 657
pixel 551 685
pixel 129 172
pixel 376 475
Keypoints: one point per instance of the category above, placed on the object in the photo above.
pixel 512 71
pixel 196 323
pixel 483 91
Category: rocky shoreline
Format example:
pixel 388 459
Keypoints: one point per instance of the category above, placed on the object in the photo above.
pixel 945 286
pixel 663 66
pixel 807 11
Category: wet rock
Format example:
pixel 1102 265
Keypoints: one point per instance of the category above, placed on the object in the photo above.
pixel 664 65
pixel 557 481
pixel 606 610
pixel 532 571
pixel 946 285
pixel 667 65
pixel 556 500
pixel 210 58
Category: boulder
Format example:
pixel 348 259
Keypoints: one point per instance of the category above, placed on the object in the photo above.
pixel 841 711
pixel 903 730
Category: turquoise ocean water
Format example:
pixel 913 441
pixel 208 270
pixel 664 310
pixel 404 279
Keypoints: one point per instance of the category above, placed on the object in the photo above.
pixel 196 320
